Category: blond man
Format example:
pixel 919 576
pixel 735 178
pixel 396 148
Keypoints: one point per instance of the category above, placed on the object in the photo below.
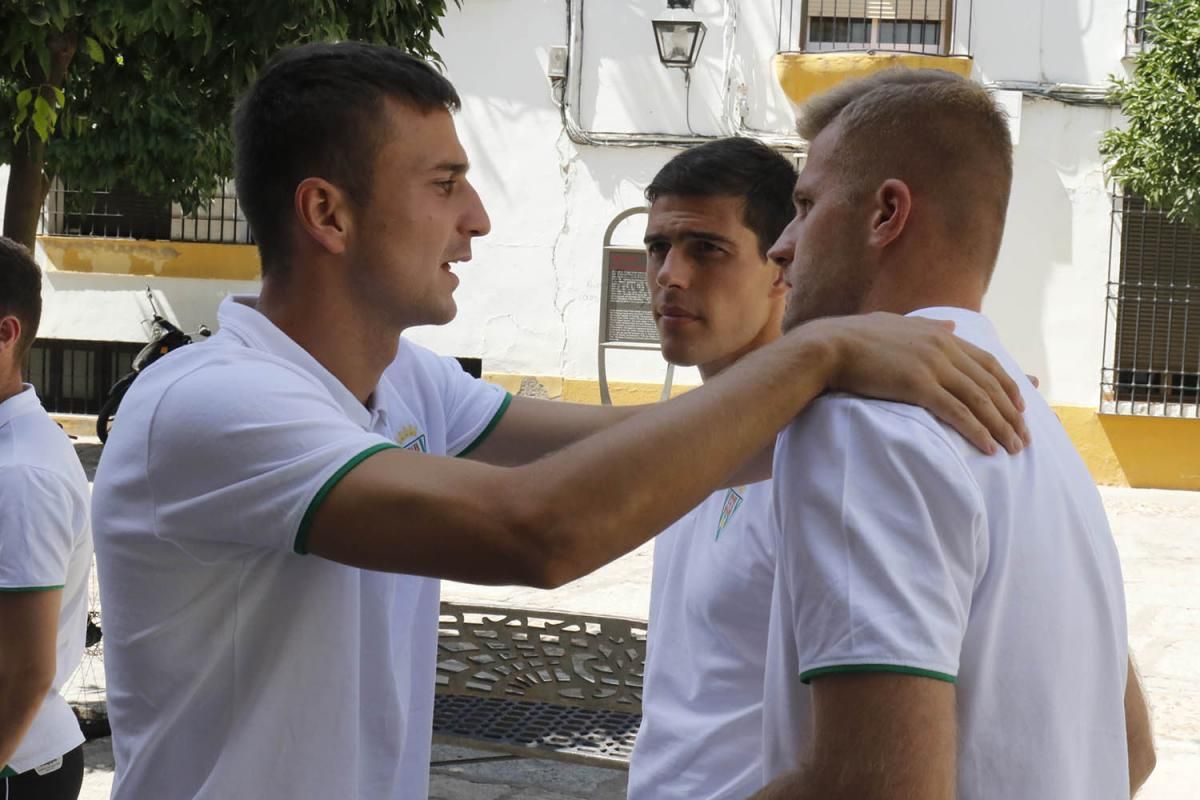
pixel 943 625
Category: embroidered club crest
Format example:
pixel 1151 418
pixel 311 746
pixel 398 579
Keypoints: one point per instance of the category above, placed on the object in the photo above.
pixel 411 439
pixel 733 501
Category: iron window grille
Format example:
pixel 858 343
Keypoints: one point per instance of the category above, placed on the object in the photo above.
pixel 73 377
pixel 1136 33
pixel 1152 328
pixel 919 26
pixel 124 214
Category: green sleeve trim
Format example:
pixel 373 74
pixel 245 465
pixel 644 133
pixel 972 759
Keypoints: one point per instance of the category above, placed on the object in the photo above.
pixel 301 544
pixel 8 772
pixel 33 589
pixel 491 426
pixel 805 677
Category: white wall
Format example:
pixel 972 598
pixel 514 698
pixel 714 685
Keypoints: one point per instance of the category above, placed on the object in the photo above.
pixel 529 302
pixel 1047 295
pixel 113 308
pixel 1057 41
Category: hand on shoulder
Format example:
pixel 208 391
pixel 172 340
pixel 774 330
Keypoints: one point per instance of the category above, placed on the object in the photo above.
pixel 921 362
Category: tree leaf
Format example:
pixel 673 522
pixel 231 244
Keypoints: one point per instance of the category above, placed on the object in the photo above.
pixel 42 126
pixel 93 49
pixel 43 57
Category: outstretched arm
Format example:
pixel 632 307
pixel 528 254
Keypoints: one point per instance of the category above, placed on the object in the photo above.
pixel 532 428
pixel 553 520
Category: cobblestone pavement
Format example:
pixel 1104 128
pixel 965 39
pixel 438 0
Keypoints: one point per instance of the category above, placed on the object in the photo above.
pixel 1158 533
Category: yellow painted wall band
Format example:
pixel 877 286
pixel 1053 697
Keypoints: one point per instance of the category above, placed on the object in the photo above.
pixel 231 262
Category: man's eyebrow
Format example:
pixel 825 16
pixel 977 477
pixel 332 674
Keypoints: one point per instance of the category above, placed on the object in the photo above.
pixel 453 167
pixel 688 235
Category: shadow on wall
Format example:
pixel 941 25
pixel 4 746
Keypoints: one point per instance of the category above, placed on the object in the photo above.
pixel 1038 235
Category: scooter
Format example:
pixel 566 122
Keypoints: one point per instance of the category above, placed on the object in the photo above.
pixel 164 337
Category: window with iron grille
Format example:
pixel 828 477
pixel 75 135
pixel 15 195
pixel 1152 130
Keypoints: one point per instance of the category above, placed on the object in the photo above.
pixel 73 377
pixel 1136 14
pixel 922 26
pixel 1152 353
pixel 124 214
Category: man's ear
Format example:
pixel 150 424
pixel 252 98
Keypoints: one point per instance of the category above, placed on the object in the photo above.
pixel 10 332
pixel 893 204
pixel 324 215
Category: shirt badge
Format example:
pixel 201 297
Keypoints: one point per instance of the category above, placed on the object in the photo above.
pixel 412 439
pixel 733 501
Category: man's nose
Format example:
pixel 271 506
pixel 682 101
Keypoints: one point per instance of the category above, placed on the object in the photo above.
pixel 476 221
pixel 784 250
pixel 674 270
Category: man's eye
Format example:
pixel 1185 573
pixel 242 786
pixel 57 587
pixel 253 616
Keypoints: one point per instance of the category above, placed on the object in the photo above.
pixel 447 186
pixel 803 206
pixel 656 250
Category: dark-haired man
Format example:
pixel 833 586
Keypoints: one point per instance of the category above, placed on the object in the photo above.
pixel 45 561
pixel 271 499
pixel 715 210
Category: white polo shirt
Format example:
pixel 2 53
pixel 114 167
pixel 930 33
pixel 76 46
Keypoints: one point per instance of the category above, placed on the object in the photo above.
pixel 238 666
pixel 904 549
pixel 45 544
pixel 710 602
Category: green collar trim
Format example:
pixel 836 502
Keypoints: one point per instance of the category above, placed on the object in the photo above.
pixel 32 589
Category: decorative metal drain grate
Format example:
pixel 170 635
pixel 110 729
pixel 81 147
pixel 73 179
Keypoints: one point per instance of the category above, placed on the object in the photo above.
pixel 517 680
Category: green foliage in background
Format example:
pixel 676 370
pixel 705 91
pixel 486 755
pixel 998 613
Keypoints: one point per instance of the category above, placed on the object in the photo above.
pixel 1157 154
pixel 138 93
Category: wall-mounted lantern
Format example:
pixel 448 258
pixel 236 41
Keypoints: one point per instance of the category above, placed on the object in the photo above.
pixel 679 39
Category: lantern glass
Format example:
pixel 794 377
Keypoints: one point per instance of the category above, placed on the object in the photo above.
pixel 678 41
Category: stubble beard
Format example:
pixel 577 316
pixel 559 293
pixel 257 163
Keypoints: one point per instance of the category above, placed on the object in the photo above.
pixel 841 295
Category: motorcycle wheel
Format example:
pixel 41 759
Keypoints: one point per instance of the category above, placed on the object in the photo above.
pixel 108 411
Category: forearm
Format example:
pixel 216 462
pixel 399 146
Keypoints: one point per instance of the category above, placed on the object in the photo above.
pixel 21 695
pixel 603 496
pixel 1140 736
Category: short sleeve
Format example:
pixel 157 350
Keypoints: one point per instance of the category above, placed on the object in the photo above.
pixel 472 407
pixel 36 531
pixel 881 540
pixel 245 453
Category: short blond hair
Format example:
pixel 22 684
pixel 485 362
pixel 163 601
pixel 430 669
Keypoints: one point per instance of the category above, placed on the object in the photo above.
pixel 940 133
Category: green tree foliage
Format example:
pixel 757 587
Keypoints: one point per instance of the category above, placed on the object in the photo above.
pixel 1157 155
pixel 138 93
